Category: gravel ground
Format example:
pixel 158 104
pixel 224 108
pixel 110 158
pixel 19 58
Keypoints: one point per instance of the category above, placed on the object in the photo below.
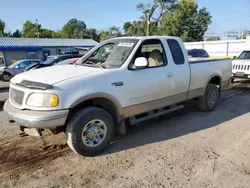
pixel 185 149
pixel 4 84
pixel 4 95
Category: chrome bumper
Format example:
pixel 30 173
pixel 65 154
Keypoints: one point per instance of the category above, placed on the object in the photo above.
pixel 36 119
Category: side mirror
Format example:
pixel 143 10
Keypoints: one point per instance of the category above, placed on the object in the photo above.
pixel 234 57
pixel 141 62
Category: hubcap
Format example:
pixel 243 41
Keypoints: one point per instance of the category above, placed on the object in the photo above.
pixel 94 133
pixel 212 97
pixel 6 77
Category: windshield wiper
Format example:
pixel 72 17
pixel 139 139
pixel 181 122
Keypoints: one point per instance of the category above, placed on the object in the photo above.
pixel 92 64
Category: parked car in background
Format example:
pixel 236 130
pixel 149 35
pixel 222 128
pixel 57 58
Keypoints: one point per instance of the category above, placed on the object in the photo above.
pixel 68 61
pixel 197 53
pixel 18 67
pixel 241 66
pixel 51 56
pixel 127 79
pixel 52 61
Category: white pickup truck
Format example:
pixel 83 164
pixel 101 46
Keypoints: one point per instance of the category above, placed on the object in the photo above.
pixel 241 66
pixel 127 79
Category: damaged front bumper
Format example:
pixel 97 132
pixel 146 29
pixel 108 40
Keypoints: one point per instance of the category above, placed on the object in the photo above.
pixel 36 119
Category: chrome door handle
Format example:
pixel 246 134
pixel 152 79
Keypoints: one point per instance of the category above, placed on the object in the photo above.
pixel 170 75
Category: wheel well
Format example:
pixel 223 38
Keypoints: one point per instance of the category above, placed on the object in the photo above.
pixel 103 103
pixel 6 72
pixel 215 80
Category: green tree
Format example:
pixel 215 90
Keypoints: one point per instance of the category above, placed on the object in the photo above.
pixel 74 29
pixel 180 18
pixel 104 35
pixel 186 21
pixel 151 16
pixel 30 30
pixel 92 34
pixel 17 34
pixel 58 34
pixel 2 27
pixel 46 33
pixel 138 28
pixel 111 33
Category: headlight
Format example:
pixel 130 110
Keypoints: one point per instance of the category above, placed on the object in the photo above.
pixel 43 100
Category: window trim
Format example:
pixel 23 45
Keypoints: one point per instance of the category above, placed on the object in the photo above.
pixel 172 53
pixel 140 47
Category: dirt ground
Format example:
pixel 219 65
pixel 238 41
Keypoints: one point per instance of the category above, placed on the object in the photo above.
pixel 185 149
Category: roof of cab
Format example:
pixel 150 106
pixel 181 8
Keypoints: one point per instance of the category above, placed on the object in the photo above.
pixel 146 37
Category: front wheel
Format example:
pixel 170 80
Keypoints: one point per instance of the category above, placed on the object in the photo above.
pixel 6 76
pixel 210 99
pixel 90 131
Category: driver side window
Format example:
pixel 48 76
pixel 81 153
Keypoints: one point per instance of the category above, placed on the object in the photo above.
pixel 153 51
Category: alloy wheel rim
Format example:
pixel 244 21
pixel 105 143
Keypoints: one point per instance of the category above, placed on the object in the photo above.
pixel 94 133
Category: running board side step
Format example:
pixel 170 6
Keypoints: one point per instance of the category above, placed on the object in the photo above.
pixel 155 113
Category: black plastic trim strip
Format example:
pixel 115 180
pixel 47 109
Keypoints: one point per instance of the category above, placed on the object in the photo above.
pixel 35 85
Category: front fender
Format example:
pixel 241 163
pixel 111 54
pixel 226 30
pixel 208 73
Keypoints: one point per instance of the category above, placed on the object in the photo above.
pixel 98 95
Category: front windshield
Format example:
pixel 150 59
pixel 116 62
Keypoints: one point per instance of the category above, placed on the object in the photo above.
pixel 49 61
pixel 113 53
pixel 244 55
pixel 14 64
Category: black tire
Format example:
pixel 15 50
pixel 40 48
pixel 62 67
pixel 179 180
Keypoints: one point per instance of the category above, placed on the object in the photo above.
pixel 204 103
pixel 6 77
pixel 77 124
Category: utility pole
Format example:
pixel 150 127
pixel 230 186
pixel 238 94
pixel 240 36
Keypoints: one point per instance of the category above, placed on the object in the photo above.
pixel 37 29
pixel 147 24
pixel 147 21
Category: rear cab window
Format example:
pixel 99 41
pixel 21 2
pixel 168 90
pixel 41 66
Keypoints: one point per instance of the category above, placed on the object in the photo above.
pixel 176 51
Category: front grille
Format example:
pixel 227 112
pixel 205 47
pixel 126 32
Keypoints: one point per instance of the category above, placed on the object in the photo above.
pixel 241 67
pixel 16 96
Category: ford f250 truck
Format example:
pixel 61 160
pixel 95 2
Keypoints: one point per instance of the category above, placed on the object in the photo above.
pixel 127 79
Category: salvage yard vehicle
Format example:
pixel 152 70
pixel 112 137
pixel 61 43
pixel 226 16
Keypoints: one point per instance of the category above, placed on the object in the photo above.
pixel 241 66
pixel 70 61
pixel 197 53
pixel 53 60
pixel 16 68
pixel 139 78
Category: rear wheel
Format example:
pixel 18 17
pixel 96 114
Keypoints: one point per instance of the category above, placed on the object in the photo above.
pixel 210 99
pixel 6 76
pixel 90 131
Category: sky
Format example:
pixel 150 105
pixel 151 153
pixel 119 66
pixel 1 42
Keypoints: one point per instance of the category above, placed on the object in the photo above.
pixel 102 14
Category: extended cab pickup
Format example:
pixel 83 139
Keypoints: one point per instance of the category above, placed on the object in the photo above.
pixel 127 79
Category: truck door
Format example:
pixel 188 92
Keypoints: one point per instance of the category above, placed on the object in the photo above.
pixel 180 68
pixel 151 83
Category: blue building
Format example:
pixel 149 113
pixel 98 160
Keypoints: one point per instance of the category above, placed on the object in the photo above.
pixel 13 49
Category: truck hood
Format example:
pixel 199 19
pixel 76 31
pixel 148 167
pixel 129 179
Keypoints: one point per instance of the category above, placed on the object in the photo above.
pixel 55 74
pixel 241 61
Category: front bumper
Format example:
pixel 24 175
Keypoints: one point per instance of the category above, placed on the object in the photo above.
pixel 36 119
pixel 245 76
